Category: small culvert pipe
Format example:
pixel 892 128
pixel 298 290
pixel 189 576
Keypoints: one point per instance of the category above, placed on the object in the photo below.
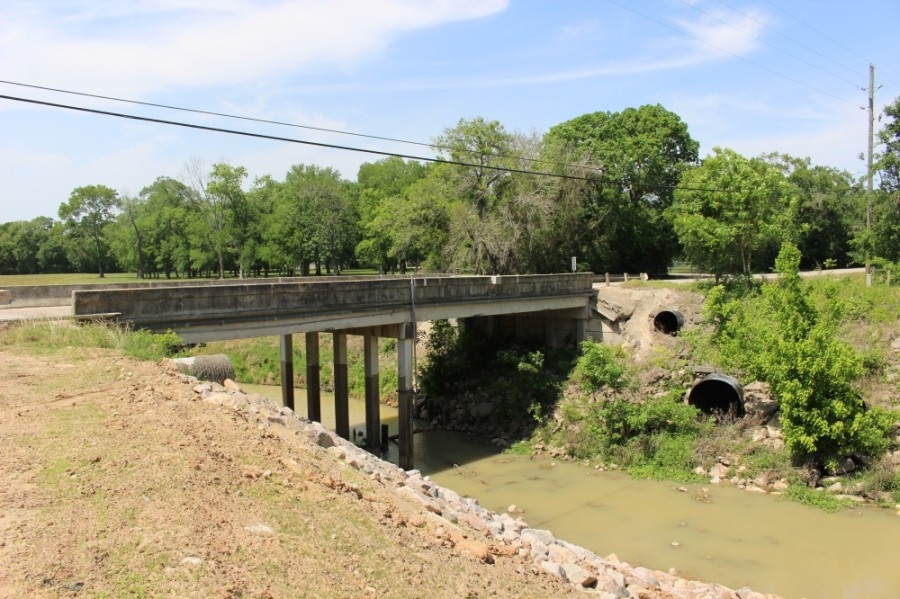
pixel 717 393
pixel 668 321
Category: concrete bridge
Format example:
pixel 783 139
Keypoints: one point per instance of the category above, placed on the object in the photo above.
pixel 554 309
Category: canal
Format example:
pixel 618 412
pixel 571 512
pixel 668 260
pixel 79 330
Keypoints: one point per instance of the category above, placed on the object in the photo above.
pixel 708 532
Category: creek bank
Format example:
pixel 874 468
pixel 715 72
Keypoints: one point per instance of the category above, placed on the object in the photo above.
pixel 461 523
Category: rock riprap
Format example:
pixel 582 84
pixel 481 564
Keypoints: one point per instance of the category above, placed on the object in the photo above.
pixel 462 523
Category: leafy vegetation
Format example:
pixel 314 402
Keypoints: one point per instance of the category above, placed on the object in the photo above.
pixel 784 339
pixel 49 335
pixel 601 366
pixel 515 380
pixel 623 191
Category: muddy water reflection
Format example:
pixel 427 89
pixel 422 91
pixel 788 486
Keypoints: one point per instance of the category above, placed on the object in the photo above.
pixel 723 535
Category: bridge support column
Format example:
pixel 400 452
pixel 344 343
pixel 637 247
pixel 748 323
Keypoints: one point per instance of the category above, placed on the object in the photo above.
pixel 373 405
pixel 405 395
pixel 341 387
pixel 580 331
pixel 287 371
pixel 313 387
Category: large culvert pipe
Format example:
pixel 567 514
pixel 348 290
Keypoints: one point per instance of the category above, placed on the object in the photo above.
pixel 215 368
pixel 668 322
pixel 717 393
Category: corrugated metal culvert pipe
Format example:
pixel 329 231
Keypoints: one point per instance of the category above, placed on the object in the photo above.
pixel 668 321
pixel 717 393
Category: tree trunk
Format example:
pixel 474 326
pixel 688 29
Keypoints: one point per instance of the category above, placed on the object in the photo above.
pixel 221 265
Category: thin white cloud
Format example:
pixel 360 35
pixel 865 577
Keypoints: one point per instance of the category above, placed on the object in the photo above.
pixel 201 44
pixel 726 32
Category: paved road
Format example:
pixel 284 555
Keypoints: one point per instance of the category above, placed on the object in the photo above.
pixel 7 314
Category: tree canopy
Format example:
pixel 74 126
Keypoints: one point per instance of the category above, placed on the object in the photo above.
pixel 620 191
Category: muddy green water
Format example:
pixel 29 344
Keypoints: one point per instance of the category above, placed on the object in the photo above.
pixel 712 533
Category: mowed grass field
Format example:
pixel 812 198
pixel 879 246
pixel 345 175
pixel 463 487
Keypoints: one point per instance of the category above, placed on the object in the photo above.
pixel 88 278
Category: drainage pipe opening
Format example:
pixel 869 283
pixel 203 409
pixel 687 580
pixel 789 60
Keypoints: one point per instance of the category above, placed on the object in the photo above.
pixel 718 394
pixel 668 322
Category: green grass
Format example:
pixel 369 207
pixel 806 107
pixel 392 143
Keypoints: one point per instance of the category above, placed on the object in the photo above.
pixel 92 278
pixel 45 336
pixel 818 499
pixel 68 279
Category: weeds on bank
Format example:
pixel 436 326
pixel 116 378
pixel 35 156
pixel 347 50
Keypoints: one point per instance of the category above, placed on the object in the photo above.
pixel 44 336
pixel 818 499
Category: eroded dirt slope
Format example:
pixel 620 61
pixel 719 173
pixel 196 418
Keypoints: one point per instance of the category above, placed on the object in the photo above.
pixel 116 481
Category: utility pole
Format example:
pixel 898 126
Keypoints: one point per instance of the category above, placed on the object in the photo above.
pixel 869 171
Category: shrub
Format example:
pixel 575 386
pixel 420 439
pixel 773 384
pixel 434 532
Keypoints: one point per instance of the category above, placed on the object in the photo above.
pixel 601 366
pixel 785 339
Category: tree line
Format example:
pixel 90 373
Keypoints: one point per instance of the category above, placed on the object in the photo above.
pixel 621 191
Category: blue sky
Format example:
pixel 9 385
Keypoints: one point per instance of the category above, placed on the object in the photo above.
pixel 753 75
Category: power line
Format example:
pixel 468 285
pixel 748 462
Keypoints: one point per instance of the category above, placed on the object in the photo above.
pixel 260 120
pixel 290 139
pixel 820 32
pixel 787 37
pixel 773 46
pixel 649 184
pixel 738 56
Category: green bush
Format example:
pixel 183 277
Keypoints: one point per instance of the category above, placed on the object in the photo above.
pixel 145 345
pixel 601 366
pixel 789 339
pixel 655 438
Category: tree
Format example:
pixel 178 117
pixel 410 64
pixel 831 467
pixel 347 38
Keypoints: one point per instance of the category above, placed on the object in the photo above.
pixel 729 209
pixel 883 240
pixel 830 205
pixel 165 218
pixel 790 341
pixel 88 212
pixel 888 164
pixel 260 251
pixel 22 246
pixel 314 219
pixel 132 233
pixel 480 238
pixel 218 198
pixel 638 157
pixel 381 188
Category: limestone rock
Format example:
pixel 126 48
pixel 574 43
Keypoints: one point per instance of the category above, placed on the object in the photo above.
pixel 575 574
pixel 758 402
